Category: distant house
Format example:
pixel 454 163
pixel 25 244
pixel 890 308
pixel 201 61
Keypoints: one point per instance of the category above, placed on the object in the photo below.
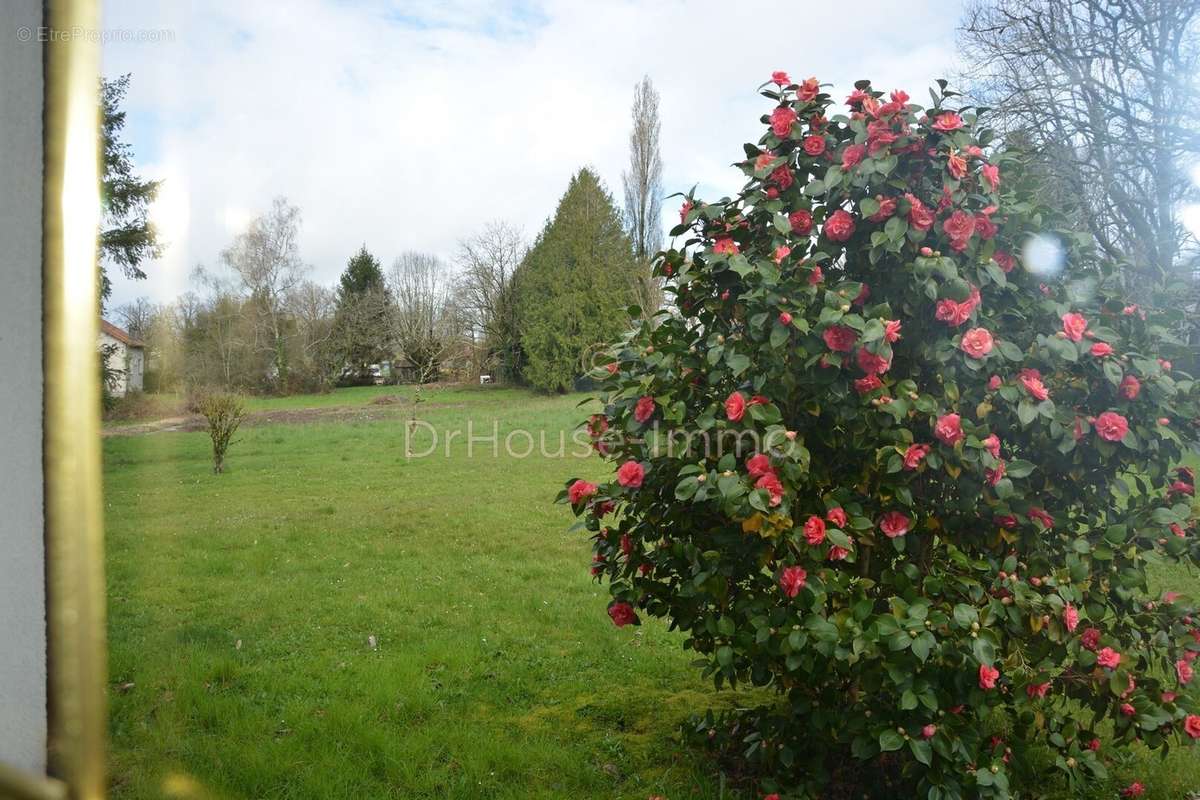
pixel 125 357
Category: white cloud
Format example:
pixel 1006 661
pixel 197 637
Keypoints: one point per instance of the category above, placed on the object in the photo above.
pixel 407 125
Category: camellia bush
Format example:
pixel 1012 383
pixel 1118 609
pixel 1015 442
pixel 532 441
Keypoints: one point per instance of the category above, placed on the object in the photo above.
pixel 885 457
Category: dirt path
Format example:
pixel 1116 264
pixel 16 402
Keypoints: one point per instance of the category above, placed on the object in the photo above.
pixel 294 416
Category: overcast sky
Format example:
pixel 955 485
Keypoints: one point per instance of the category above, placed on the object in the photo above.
pixel 407 125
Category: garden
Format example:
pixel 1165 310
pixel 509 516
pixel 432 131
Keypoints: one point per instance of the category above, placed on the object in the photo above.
pixel 887 489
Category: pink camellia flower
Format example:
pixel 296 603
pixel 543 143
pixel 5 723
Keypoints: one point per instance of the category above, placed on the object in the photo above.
pixel 1070 617
pixel 1130 310
pixel 852 155
pixel 814 144
pixel 622 614
pixel 977 342
pixel 781 121
pixel 782 252
pixel 928 731
pixel 993 383
pixel 782 176
pixel 1184 671
pixel 580 490
pixel 774 488
pixel 631 474
pixel 1031 379
pixel 959 226
pixel 785 318
pixel 914 455
pixel 868 384
pixel 725 246
pixel 985 228
pixel 957 165
pixel 1191 725
pixel 816 276
pixel 864 293
pixel 1130 387
pixel 837 553
pixel 948 429
pixel 1134 789
pixel 1037 690
pixel 780 78
pixel 871 363
pixel 762 161
pixel 1102 349
pixel 887 207
pixel 840 226
pixel 1127 709
pixel 814 530
pixel 948 122
pixel 758 465
pixel 840 338
pixel 1004 261
pixel 1094 745
pixel 991 174
pixel 919 216
pixel 994 475
pixel 644 409
pixel 1006 521
pixel 801 222
pixel 1166 365
pixel 1074 325
pixel 894 524
pixel 1090 638
pixel 1108 658
pixel 1042 516
pixel 836 517
pixel 808 89
pixel 735 406
pixel 992 445
pixel 1178 530
pixel 1111 426
pixel 891 330
pixel 987 677
pixel 792 580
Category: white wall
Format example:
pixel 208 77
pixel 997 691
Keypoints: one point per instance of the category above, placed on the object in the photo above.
pixel 22 569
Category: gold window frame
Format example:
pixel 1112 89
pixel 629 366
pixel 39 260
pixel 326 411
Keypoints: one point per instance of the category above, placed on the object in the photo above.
pixel 74 549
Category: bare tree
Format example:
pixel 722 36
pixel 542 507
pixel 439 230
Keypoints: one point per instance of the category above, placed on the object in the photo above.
pixel 487 262
pixel 137 316
pixel 427 326
pixel 643 192
pixel 266 257
pixel 311 307
pixel 1104 93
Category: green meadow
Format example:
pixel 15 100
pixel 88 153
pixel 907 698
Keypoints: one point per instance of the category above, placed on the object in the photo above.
pixel 329 619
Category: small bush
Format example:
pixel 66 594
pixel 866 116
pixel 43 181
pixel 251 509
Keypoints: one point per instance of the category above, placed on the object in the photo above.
pixel 877 460
pixel 224 413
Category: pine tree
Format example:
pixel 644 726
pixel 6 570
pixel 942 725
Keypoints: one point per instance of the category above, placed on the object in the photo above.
pixel 363 307
pixel 574 285
pixel 127 238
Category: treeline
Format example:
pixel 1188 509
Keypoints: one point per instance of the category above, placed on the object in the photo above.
pixel 516 311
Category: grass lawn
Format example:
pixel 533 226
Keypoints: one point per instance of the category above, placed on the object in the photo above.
pixel 242 606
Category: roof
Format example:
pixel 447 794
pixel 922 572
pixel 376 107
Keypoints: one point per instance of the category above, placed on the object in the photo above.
pixel 119 334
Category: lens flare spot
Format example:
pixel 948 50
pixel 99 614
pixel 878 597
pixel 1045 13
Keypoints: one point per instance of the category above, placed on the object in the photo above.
pixel 1044 255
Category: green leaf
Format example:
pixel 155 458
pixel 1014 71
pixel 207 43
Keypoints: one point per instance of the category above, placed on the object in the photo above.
pixel 738 362
pixel 964 615
pixel 1019 468
pixel 1010 351
pixel 921 750
pixel 890 740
